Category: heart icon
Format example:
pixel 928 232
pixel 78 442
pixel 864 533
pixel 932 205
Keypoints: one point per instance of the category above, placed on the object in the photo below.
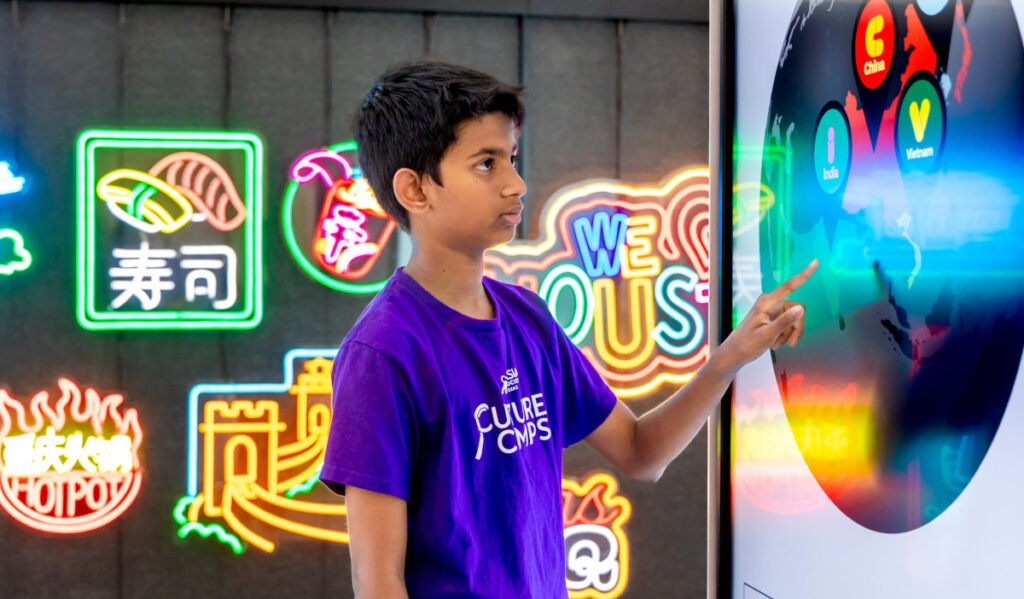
pixel 919 117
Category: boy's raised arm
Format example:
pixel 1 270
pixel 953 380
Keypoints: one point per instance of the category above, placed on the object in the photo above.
pixel 377 540
pixel 642 448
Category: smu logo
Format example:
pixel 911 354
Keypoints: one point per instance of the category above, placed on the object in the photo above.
pixel 509 381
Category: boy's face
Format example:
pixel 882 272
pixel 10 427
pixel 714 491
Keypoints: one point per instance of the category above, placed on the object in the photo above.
pixel 480 204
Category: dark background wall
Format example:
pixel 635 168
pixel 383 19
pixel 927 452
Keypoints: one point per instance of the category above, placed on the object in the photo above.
pixel 607 97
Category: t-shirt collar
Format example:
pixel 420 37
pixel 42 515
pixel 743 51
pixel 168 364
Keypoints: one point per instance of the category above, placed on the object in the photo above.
pixel 447 312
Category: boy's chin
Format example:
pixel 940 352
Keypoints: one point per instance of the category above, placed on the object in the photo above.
pixel 505 239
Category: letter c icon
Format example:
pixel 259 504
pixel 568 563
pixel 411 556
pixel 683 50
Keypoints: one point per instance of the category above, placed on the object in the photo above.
pixel 872 44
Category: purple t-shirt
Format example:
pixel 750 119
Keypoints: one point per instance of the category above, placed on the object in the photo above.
pixel 466 420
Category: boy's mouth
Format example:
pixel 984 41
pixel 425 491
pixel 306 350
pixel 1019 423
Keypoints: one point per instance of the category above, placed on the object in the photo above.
pixel 513 217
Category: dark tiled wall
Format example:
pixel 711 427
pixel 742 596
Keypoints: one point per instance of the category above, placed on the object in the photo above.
pixel 605 99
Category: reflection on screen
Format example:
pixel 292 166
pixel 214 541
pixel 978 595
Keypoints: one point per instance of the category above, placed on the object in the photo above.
pixel 891 150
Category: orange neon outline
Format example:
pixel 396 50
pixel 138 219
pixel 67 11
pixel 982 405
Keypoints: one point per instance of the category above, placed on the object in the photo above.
pixel 205 204
pixel 659 379
pixel 684 231
pixel 637 260
pixel 285 465
pixel 88 408
pixel 551 211
pixel 606 336
pixel 609 499
pixel 666 242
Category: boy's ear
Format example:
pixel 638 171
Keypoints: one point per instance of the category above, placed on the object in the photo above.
pixel 408 186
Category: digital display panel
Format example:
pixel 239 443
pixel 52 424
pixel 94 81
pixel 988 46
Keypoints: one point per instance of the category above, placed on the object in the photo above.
pixel 884 139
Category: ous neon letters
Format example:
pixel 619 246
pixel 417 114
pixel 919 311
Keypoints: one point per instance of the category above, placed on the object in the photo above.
pixel 625 272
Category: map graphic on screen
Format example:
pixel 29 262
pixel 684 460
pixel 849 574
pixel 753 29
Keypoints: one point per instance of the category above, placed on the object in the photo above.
pixel 902 143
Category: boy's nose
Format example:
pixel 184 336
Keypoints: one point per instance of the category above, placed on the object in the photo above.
pixel 516 185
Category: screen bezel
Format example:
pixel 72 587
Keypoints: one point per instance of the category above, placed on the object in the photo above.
pixel 721 111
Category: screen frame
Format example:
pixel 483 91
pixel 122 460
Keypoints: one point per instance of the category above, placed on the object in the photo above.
pixel 721 129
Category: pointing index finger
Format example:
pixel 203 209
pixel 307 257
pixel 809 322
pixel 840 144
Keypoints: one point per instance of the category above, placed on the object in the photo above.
pixel 794 283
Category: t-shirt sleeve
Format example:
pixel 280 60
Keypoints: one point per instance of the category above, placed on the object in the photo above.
pixel 371 441
pixel 586 398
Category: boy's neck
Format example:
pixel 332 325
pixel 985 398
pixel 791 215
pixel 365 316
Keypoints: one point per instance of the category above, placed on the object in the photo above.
pixel 456 280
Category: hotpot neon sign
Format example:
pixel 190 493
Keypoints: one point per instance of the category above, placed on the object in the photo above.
pixel 72 466
pixel 640 254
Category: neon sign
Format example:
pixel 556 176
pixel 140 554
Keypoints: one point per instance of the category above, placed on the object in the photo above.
pixel 169 230
pixel 21 260
pixel 596 550
pixel 70 466
pixel 252 448
pixel 9 182
pixel 640 254
pixel 254 458
pixel 333 225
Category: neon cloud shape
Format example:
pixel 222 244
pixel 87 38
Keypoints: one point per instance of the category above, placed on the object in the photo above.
pixel 625 271
pixel 9 182
pixel 22 257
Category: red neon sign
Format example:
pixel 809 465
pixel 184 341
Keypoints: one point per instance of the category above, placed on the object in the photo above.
pixel 71 466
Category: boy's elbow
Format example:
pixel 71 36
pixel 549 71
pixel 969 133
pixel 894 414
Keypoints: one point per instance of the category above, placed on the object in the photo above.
pixel 643 472
pixel 648 476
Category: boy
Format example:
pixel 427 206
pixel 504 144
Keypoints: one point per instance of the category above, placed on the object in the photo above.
pixel 445 369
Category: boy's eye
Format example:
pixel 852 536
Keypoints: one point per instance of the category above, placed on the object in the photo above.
pixel 515 160
pixel 486 165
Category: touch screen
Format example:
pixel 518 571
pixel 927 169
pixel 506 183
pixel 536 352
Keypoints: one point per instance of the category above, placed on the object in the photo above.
pixel 886 140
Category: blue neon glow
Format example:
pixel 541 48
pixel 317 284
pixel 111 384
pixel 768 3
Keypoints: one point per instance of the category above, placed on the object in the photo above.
pixel 668 293
pixel 240 389
pixel 599 240
pixel 9 183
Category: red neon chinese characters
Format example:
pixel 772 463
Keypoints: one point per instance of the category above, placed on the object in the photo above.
pixel 342 234
pixel 352 229
pixel 72 466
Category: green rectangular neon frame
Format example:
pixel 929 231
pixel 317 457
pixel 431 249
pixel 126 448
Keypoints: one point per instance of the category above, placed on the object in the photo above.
pixel 251 311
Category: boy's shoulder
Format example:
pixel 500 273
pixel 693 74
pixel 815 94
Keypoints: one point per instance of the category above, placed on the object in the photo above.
pixel 520 301
pixel 389 320
pixel 401 318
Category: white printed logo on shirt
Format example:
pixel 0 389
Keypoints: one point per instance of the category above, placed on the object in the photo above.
pixel 509 381
pixel 518 423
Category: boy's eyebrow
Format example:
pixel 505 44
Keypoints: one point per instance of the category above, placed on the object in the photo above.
pixel 492 152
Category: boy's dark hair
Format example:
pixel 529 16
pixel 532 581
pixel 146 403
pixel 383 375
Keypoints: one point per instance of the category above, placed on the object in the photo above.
pixel 408 120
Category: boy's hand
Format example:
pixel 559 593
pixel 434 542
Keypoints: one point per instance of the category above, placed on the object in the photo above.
pixel 772 321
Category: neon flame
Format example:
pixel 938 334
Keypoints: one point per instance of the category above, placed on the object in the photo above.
pixel 597 552
pixel 68 483
pixel 612 253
